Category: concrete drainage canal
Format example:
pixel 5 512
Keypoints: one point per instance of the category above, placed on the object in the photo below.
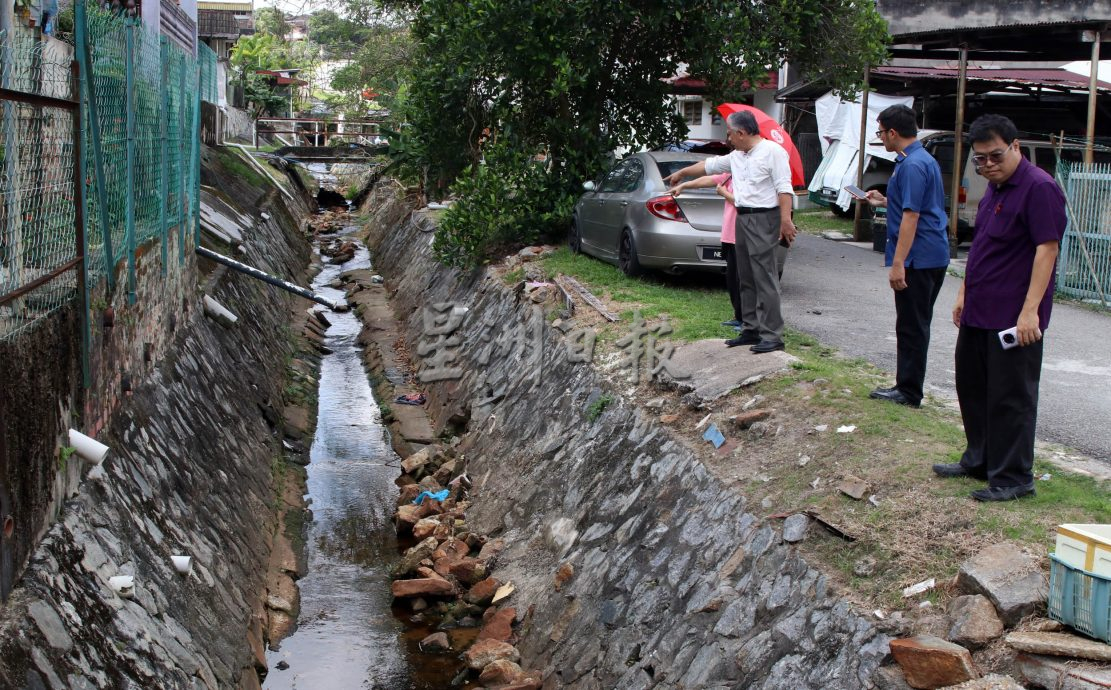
pixel 347 634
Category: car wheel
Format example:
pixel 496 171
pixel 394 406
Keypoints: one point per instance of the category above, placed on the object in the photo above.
pixel 842 213
pixel 575 237
pixel 627 255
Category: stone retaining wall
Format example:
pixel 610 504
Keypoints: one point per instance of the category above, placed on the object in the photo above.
pixel 674 581
pixel 189 473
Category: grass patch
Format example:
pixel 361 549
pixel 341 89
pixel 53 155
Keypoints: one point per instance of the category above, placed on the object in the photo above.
pixel 919 526
pixel 818 220
pixel 233 162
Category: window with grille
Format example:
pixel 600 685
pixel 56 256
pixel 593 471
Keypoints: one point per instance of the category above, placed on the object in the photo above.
pixel 692 112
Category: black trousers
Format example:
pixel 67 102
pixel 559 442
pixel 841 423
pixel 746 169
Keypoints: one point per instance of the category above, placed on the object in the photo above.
pixel 914 310
pixel 998 394
pixel 732 282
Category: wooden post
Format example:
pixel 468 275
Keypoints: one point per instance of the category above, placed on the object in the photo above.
pixel 860 232
pixel 958 154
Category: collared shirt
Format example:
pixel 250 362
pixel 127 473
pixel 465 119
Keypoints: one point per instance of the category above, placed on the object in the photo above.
pixel 1011 221
pixel 729 212
pixel 760 174
pixel 916 186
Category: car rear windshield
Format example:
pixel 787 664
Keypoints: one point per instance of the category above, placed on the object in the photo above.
pixel 668 167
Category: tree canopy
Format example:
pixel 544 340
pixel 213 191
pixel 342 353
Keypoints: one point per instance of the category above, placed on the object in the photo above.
pixel 271 21
pixel 578 79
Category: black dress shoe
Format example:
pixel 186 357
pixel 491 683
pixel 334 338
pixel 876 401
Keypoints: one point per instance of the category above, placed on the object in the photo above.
pixel 893 395
pixel 952 470
pixel 766 346
pixel 745 338
pixel 1004 493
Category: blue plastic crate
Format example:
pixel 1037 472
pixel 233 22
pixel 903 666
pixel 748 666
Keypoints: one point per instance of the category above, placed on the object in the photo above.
pixel 1080 599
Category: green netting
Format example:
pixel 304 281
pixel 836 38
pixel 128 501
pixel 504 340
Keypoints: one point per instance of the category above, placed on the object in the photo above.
pixel 38 233
pixel 206 57
pixel 157 190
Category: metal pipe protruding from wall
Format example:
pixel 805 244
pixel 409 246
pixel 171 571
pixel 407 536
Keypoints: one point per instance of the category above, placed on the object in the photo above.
pixel 267 278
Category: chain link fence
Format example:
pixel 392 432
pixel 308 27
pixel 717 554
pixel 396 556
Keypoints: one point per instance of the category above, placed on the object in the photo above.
pixel 1084 266
pixel 39 233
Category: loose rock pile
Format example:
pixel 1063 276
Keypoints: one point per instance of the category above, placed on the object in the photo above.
pixel 447 574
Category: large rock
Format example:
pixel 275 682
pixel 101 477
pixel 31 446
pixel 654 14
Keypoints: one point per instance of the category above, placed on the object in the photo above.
pixel 794 528
pixel 975 622
pixel 483 592
pixel 436 642
pixel 409 515
pixel 412 558
pixel 469 570
pixel 499 673
pixel 422 587
pixel 929 662
pixel 425 527
pixel 1012 579
pixel 1061 674
pixel 1060 644
pixel 499 626
pixel 416 461
pixel 485 652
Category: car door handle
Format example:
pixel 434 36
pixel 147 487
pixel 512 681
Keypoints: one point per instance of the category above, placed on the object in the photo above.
pixel 601 202
pixel 624 203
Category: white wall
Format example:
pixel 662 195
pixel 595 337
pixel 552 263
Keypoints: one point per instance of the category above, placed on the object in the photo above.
pixel 764 99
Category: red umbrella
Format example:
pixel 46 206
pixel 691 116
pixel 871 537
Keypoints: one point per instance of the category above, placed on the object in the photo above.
pixel 770 129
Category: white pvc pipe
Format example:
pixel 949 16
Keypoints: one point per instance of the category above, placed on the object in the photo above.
pixel 182 564
pixel 123 585
pixel 88 448
pixel 219 312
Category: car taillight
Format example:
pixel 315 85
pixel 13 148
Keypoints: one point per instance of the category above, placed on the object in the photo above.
pixel 665 207
pixel 962 195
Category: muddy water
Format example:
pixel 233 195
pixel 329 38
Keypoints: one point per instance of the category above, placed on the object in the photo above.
pixel 347 636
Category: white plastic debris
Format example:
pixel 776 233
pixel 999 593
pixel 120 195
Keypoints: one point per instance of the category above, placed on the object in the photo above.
pixel 264 215
pixel 1045 477
pixel 879 614
pixel 803 459
pixel 923 586
pixel 703 422
pixel 821 427
pixel 874 501
pixel 846 429
pixel 814 484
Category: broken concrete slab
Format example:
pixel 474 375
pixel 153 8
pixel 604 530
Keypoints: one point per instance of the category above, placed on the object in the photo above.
pixel 930 662
pixel 1011 578
pixel 1060 674
pixel 975 622
pixel 853 487
pixel 1060 644
pixel 716 370
pixel 413 424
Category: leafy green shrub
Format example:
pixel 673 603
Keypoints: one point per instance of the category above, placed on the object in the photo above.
pixel 508 201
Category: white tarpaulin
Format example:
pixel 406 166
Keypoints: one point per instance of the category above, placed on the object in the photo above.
pixel 839 133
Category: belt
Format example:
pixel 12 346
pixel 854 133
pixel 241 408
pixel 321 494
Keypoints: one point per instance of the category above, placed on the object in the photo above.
pixel 743 210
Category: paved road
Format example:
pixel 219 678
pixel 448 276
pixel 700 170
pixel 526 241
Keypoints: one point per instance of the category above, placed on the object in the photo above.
pixel 838 292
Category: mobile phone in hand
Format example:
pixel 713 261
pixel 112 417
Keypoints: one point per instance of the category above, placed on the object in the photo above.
pixel 856 191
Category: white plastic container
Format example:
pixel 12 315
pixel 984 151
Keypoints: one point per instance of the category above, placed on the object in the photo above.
pixel 1087 547
pixel 88 448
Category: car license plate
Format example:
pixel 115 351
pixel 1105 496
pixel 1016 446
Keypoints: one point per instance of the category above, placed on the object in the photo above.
pixel 712 254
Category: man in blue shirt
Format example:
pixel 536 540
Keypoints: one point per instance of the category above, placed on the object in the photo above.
pixel 917 249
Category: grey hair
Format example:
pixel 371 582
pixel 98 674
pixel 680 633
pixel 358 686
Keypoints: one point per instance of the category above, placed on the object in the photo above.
pixel 744 121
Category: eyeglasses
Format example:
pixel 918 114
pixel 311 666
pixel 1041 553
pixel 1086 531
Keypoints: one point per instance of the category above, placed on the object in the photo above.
pixel 995 157
pixel 881 132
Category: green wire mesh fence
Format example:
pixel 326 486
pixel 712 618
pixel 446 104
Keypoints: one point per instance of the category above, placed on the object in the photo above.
pixel 1084 265
pixel 38 222
pixel 139 131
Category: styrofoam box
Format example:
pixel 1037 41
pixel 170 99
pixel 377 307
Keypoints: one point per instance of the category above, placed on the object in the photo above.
pixel 1087 547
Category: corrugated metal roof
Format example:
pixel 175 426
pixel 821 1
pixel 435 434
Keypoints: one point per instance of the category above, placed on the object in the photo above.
pixel 914 36
pixel 236 6
pixel 1060 78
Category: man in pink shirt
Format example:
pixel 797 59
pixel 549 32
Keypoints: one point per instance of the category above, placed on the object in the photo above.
pixel 724 185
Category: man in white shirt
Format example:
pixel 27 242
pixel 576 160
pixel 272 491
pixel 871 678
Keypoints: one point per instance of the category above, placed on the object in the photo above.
pixel 764 197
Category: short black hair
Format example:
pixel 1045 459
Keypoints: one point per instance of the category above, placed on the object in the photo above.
pixel 744 121
pixel 987 127
pixel 899 118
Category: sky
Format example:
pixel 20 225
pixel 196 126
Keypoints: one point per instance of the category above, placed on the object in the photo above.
pixel 1083 67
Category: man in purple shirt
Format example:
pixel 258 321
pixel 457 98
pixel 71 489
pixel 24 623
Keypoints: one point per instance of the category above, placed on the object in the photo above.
pixel 1008 284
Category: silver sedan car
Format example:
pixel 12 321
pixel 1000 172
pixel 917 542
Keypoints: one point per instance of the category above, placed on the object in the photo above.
pixel 628 218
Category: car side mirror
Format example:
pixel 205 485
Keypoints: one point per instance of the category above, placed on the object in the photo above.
pixel 588 185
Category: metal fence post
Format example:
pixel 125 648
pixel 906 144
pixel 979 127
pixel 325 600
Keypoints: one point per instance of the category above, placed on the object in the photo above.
pixel 164 183
pixel 84 57
pixel 129 196
pixel 80 208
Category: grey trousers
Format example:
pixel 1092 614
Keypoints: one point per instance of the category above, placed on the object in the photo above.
pixel 757 238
